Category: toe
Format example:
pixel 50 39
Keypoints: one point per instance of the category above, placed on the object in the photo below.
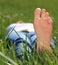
pixel 49 20
pixel 46 14
pixel 37 13
pixel 46 17
pixel 43 13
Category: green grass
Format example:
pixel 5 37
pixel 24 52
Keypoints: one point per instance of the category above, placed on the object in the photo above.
pixel 14 10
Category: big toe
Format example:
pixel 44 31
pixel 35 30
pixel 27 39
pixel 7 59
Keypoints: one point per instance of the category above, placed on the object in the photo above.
pixel 37 12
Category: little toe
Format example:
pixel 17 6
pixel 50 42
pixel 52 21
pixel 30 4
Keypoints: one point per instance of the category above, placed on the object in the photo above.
pixel 49 20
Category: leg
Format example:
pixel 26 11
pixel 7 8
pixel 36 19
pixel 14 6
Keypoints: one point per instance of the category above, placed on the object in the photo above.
pixel 43 29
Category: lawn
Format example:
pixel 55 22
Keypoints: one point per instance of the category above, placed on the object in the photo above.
pixel 15 10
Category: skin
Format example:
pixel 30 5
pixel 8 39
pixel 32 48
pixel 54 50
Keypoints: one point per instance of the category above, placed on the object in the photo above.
pixel 43 29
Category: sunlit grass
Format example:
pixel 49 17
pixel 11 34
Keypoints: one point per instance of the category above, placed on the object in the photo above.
pixel 8 56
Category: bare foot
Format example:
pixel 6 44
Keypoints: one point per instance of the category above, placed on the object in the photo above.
pixel 43 29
